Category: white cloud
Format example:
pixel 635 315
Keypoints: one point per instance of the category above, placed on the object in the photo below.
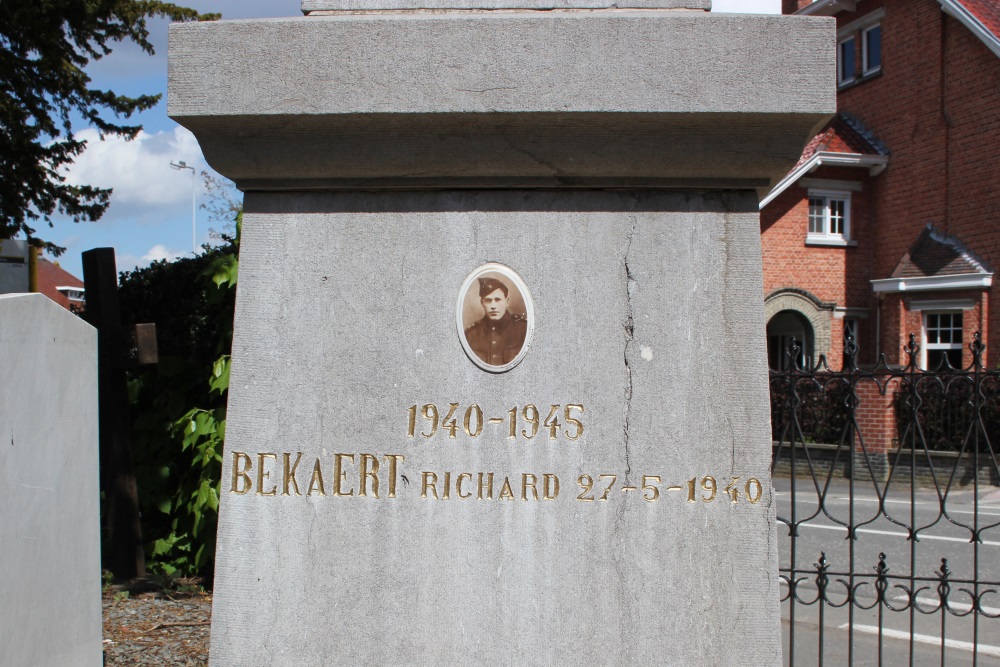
pixel 125 261
pixel 145 186
pixel 160 251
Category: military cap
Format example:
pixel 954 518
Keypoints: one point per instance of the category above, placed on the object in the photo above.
pixel 488 285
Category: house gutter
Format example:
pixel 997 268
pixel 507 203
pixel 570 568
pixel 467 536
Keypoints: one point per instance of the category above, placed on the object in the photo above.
pixel 828 7
pixel 875 164
pixel 931 283
pixel 968 19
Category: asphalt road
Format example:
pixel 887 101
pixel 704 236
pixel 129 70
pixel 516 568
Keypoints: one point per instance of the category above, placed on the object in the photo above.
pixel 944 530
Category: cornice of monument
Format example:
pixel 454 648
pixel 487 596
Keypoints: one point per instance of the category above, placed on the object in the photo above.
pixel 437 99
pixel 314 6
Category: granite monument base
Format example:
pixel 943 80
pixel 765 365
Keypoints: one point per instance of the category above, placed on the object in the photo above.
pixel 608 499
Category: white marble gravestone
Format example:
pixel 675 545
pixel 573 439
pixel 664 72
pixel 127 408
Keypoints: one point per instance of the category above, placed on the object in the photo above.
pixel 50 532
pixel 407 481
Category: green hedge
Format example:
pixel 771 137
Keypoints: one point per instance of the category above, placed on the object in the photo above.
pixel 178 406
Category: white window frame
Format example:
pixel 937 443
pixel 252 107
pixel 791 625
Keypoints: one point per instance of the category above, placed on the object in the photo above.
pixel 929 346
pixel 825 236
pixel 845 78
pixel 71 293
pixel 857 31
pixel 866 68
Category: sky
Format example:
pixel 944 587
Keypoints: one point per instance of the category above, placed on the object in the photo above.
pixel 150 216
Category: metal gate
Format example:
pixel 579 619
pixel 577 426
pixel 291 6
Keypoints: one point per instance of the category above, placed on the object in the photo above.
pixel 888 511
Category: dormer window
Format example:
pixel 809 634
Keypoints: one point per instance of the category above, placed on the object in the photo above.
pixel 829 217
pixel 74 294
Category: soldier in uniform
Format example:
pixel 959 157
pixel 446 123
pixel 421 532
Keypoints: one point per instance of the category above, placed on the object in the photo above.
pixel 499 336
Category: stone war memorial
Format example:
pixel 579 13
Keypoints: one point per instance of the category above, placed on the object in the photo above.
pixel 499 386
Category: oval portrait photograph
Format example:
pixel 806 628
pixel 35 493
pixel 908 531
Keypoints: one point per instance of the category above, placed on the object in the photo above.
pixel 495 317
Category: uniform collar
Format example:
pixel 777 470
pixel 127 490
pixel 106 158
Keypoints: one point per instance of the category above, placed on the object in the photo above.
pixel 500 324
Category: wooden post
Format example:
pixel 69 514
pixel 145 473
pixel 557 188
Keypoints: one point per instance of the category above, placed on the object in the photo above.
pixel 32 269
pixel 126 559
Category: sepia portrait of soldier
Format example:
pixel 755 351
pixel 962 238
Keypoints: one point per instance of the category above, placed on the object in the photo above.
pixel 494 318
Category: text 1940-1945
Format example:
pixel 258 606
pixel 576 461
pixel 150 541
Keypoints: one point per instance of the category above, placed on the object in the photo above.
pixel 521 422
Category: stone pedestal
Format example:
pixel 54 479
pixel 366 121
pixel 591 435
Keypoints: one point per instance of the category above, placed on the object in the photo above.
pixel 602 493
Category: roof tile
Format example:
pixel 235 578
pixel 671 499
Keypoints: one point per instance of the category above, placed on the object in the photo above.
pixel 986 11
pixel 935 254
pixel 844 134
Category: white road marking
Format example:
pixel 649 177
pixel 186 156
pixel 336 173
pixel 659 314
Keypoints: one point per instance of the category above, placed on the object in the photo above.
pixel 982 506
pixel 871 531
pixel 982 649
pixel 931 603
pixel 890 502
pixel 925 502
pixel 981 512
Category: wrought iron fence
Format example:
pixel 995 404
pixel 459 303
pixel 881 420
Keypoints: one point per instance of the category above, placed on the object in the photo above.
pixel 889 543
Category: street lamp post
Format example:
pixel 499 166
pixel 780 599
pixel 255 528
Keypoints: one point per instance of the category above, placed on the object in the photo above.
pixel 180 165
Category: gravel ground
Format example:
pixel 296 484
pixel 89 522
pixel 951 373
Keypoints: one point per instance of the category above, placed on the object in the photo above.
pixel 159 628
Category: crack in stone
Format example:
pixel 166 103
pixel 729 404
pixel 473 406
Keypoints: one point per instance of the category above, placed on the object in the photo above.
pixel 732 441
pixel 630 285
pixel 627 597
pixel 730 326
pixel 484 90
pixel 556 171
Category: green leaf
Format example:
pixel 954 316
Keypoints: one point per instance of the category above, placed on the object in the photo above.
pixel 204 493
pixel 220 374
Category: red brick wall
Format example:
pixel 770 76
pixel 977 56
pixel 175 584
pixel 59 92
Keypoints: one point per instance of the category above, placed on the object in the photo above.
pixel 902 107
pixel 876 417
pixel 792 6
pixel 936 104
pixel 831 274
pixel 892 328
pixel 51 276
pixel 972 108
pixel 972 320
pixel 937 107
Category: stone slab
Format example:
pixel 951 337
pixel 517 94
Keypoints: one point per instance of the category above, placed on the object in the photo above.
pixel 648 313
pixel 49 496
pixel 360 5
pixel 615 98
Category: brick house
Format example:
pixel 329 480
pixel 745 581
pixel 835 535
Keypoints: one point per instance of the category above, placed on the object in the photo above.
pixel 59 285
pixel 890 222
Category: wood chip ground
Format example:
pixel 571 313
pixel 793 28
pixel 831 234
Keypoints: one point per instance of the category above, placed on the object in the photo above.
pixel 161 629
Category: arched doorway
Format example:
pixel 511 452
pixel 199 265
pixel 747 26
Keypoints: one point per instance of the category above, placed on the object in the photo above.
pixel 781 330
pixel 793 312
